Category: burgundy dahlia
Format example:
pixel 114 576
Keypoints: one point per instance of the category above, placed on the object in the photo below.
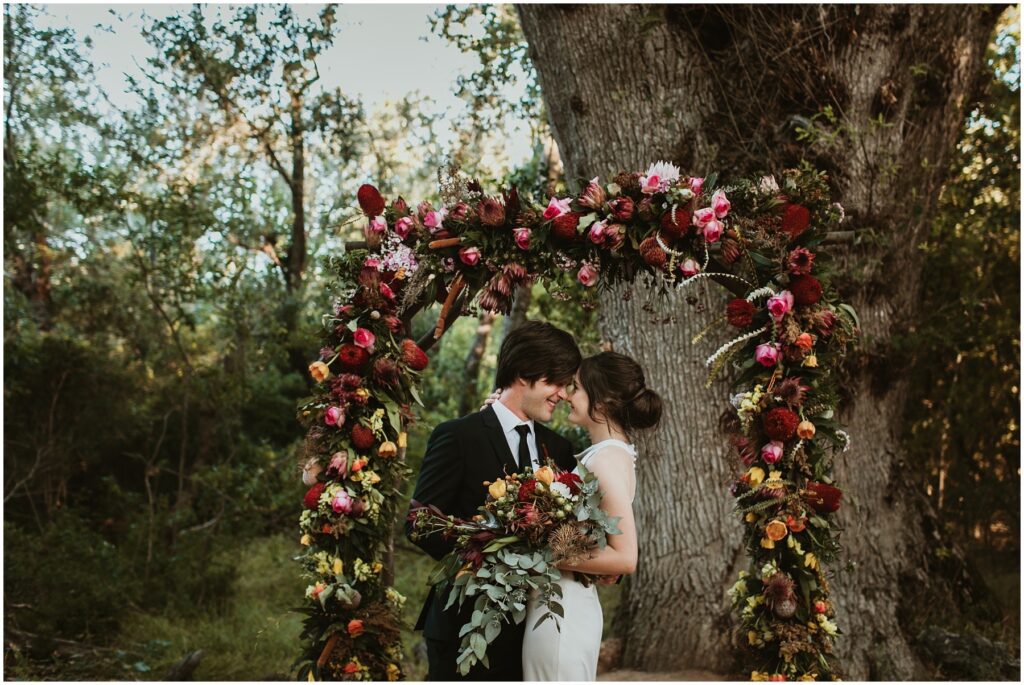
pixel 352 357
pixel 780 423
pixel 806 289
pixel 740 313
pixel 526 489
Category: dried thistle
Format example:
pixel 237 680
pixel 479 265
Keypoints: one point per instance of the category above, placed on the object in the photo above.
pixel 570 543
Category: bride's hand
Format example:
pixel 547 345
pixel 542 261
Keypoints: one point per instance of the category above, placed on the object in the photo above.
pixel 607 580
pixel 491 399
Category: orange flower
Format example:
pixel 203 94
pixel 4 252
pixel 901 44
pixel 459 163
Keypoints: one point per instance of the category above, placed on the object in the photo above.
pixel 776 530
pixel 545 475
pixel 358 465
pixel 355 627
pixel 805 430
pixel 351 667
pixel 387 450
pixel 319 371
pixel 804 341
pixel 796 525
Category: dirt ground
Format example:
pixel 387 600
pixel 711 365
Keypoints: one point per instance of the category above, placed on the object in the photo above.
pixel 668 675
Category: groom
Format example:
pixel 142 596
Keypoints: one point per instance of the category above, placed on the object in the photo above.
pixel 535 364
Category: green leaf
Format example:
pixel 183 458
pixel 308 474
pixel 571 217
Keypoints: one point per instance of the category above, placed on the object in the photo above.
pixel 586 220
pixel 479 645
pixel 491 631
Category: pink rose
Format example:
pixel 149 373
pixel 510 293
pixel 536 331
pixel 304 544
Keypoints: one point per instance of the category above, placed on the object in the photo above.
pixel 334 416
pixel 689 267
pixel 556 207
pixel 386 291
pixel 702 216
pixel 378 224
pixel 434 219
pixel 403 226
pixel 339 465
pixel 779 305
pixel 596 233
pixel 767 354
pixel 696 185
pixel 522 238
pixel 342 503
pixel 469 255
pixel 713 231
pixel 364 338
pixel 587 275
pixel 772 452
pixel 720 204
pixel 650 184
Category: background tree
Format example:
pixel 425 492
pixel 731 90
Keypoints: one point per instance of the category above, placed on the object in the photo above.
pixel 880 94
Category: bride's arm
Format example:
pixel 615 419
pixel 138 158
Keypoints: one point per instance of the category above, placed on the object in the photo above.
pixel 613 468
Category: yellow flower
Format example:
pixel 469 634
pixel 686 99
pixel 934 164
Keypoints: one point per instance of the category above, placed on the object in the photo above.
pixel 767 543
pixel 362 393
pixel 758 676
pixel 338 566
pixel 306 540
pixel 403 440
pixel 310 677
pixel 545 475
pixel 387 450
pixel 811 561
pixel 808 676
pixel 377 567
pixel 468 568
pixel 392 672
pixel 755 476
pixel 319 371
pixel 750 517
pixel 372 477
pixel 752 637
pixel 810 362
pixel 497 489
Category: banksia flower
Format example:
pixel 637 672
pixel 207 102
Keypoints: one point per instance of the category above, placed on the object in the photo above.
pixel 570 544
pixel 415 358
pixel 675 224
pixel 822 497
pixel 806 289
pixel 362 437
pixel 311 500
pixel 740 313
pixel 564 227
pixel 370 200
pixel 652 253
pixel 795 219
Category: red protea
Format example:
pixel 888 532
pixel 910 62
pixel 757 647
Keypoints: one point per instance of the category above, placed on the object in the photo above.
pixel 413 356
pixel 564 226
pixel 385 372
pixel 652 253
pixel 795 219
pixel 352 357
pixel 822 497
pixel 780 424
pixel 622 208
pixel 645 209
pixel 674 224
pixel 362 437
pixel 740 313
pixel 393 323
pixel 825 320
pixel 526 489
pixel 370 200
pixel 593 195
pixel 311 500
pixel 491 212
pixel 792 392
pixel 806 289
pixel 571 480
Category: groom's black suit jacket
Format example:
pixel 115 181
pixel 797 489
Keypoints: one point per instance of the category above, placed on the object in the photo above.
pixel 462 454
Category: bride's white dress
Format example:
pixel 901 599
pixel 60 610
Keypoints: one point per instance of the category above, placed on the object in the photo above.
pixel 569 654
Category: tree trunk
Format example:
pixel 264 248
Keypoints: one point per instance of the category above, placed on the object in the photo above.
pixel 296 264
pixel 470 400
pixel 725 89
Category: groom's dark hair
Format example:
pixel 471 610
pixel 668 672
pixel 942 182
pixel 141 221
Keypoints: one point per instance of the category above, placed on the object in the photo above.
pixel 536 350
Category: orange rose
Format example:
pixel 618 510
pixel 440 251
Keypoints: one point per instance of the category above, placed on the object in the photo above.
pixel 776 530
pixel 796 525
pixel 497 489
pixel 545 475
pixel 351 667
pixel 319 371
pixel 358 465
pixel 355 627
pixel 804 341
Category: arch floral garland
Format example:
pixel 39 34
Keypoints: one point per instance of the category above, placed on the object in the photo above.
pixel 763 239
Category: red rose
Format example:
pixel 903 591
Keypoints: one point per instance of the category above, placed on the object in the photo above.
pixel 622 208
pixel 740 313
pixel 823 498
pixel 795 219
pixel 526 489
pixel 415 358
pixel 312 497
pixel 352 357
pixel 564 225
pixel 370 200
pixel 806 289
pixel 362 437
pixel 675 224
pixel 571 480
pixel 780 424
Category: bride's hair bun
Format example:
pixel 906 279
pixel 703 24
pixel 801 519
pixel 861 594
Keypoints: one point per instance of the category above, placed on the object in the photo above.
pixel 616 387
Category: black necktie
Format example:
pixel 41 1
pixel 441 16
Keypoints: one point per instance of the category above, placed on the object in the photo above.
pixel 524 449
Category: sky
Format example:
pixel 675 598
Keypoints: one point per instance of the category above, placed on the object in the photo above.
pixel 381 52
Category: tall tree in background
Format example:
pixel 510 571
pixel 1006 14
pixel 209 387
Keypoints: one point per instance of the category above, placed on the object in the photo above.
pixel 876 96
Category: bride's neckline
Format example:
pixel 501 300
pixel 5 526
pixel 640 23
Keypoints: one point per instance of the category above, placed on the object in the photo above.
pixel 609 441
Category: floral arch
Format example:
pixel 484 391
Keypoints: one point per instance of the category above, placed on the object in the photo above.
pixel 787 332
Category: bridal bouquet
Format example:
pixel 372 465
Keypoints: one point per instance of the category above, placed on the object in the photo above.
pixel 530 522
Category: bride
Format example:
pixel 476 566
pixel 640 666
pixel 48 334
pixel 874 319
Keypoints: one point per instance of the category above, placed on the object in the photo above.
pixel 609 398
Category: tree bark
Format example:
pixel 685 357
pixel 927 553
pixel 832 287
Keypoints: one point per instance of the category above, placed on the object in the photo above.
pixel 470 400
pixel 726 89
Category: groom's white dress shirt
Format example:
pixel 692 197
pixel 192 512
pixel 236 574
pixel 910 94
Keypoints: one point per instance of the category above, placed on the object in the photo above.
pixel 508 422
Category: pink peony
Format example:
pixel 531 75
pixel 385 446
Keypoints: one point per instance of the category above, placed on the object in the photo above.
pixel 689 267
pixel 334 416
pixel 522 238
pixel 720 203
pixel 469 255
pixel 403 226
pixel 702 216
pixel 772 452
pixel 696 185
pixel 596 233
pixel 587 275
pixel 364 338
pixel 556 207
pixel 378 224
pixel 434 219
pixel 780 305
pixel 713 231
pixel 767 354
pixel 342 503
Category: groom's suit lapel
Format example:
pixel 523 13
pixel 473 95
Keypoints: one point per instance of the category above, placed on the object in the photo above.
pixel 498 442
